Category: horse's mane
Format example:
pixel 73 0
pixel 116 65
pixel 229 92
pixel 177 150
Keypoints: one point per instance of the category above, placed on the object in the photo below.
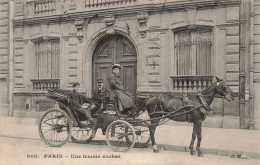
pixel 209 88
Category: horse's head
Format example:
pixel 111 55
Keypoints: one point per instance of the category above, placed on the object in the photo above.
pixel 223 89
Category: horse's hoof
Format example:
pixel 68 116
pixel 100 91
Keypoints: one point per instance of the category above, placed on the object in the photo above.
pixel 192 152
pixel 156 151
pixel 200 154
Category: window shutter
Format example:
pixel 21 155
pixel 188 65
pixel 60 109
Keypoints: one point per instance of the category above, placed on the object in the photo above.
pixel 193 52
pixel 47 59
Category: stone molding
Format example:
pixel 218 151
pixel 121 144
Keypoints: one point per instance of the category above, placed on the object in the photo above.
pixel 142 19
pixel 61 17
pixel 110 21
pixel 79 23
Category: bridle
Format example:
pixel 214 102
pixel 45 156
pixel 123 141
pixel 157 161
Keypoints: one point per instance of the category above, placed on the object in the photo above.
pixel 223 95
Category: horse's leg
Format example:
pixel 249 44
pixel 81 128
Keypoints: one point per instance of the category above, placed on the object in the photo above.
pixel 152 129
pixel 194 133
pixel 199 136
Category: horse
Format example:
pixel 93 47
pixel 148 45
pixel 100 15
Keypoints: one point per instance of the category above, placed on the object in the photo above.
pixel 190 108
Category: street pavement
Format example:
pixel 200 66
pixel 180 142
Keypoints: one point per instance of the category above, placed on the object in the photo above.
pixel 15 151
pixel 216 141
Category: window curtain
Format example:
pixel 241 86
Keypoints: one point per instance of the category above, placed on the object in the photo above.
pixel 47 59
pixel 193 52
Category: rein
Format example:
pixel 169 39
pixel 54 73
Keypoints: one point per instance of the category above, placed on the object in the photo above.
pixel 171 114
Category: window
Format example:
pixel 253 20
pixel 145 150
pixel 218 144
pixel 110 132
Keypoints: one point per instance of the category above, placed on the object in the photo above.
pixel 193 52
pixel 47 59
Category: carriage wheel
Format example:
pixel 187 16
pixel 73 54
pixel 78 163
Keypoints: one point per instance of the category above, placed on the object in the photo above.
pixel 81 135
pixel 116 134
pixel 55 127
pixel 142 135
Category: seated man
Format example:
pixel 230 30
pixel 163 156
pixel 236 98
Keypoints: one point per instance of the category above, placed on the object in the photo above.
pixel 125 102
pixel 77 103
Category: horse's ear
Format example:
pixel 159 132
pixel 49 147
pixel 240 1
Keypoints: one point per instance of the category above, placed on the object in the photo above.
pixel 218 79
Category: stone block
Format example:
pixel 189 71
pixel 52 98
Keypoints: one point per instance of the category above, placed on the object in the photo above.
pixel 232 14
pixel 4 36
pixel 256 20
pixel 257 28
pixel 19 59
pixel 232 40
pixel 4 51
pixel 235 88
pixel 232 49
pixel 72 71
pixel 154 78
pixel 232 76
pixel 4 14
pixel 257 38
pixel 4 30
pixel 256 76
pixel 18 73
pixel 73 79
pixel 154 45
pixel 3 58
pixel 232 67
pixel 232 122
pixel 257 58
pixel 73 40
pixel 213 122
pixel 153 36
pixel 232 30
pixel 18 32
pixel 3 66
pixel 18 81
pixel 4 22
pixel 18 66
pixel 154 52
pixel 232 83
pixel 231 108
pixel 73 55
pixel 257 49
pixel 155 68
pixel 3 6
pixel 73 64
pixel 232 58
pixel 217 106
pixel 257 67
pixel 257 9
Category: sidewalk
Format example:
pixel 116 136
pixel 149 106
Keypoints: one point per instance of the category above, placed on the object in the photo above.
pixel 218 141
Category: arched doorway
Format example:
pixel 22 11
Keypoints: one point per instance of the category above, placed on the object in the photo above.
pixel 111 50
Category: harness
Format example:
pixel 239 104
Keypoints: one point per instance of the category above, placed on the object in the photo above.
pixel 203 102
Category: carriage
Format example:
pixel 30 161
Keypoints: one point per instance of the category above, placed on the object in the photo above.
pixel 60 124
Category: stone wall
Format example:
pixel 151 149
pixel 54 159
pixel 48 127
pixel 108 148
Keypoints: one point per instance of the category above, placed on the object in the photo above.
pixel 152 34
pixel 4 56
pixel 257 63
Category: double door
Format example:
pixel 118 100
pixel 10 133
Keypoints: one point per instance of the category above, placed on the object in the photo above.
pixel 115 50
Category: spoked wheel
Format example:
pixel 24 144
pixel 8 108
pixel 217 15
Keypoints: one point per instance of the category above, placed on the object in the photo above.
pixel 116 134
pixel 55 127
pixel 142 135
pixel 81 135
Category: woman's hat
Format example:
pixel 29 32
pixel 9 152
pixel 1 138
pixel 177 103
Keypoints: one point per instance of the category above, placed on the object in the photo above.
pixel 116 66
pixel 75 84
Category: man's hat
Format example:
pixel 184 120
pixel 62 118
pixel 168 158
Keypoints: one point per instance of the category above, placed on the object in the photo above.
pixel 116 66
pixel 75 84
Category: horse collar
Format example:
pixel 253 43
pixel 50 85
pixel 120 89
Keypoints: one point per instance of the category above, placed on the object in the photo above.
pixel 203 102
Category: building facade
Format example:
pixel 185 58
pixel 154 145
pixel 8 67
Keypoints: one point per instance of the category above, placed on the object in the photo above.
pixel 163 45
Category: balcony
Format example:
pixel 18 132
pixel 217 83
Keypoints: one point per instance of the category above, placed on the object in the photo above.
pixel 38 8
pixel 187 83
pixel 44 84
pixel 103 3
